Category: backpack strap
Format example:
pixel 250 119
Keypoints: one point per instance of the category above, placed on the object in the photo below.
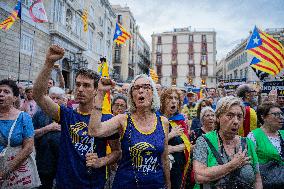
pixel 214 151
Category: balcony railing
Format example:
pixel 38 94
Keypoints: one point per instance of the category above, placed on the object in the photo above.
pixel 59 29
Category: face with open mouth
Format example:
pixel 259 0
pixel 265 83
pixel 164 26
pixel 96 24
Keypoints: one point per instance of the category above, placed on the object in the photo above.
pixel 142 93
pixel 7 97
pixel 171 104
pixel 231 120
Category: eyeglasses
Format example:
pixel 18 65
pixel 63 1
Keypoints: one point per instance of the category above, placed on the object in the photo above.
pixel 277 114
pixel 209 115
pixel 143 86
pixel 119 105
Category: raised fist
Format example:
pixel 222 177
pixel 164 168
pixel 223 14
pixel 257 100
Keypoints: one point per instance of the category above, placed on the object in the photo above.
pixel 54 53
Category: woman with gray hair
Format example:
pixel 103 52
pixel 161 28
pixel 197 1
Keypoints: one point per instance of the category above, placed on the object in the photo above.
pixel 207 118
pixel 223 159
pixel 144 136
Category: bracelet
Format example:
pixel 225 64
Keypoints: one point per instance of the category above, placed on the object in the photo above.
pixel 97 108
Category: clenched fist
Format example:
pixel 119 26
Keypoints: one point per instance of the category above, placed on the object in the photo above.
pixel 92 160
pixel 54 53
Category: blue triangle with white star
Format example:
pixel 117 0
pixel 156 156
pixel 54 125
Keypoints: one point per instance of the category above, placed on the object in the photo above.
pixel 254 40
pixel 117 32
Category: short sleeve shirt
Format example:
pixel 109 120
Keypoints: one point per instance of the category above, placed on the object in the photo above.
pixel 24 129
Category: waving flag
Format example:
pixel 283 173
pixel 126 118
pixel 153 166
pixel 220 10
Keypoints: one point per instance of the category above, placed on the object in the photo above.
pixel 37 12
pixel 269 53
pixel 85 20
pixel 120 34
pixel 16 13
pixel 153 75
pixel 104 72
pixel 257 67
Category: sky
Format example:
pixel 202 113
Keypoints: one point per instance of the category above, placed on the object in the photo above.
pixel 231 19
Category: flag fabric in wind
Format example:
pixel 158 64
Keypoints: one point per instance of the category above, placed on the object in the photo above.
pixel 153 75
pixel 37 12
pixel 16 13
pixel 85 20
pixel 257 67
pixel 104 72
pixel 267 50
pixel 120 34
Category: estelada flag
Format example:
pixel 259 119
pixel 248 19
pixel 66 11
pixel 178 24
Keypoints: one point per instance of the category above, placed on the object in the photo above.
pixel 120 34
pixel 267 50
pixel 16 13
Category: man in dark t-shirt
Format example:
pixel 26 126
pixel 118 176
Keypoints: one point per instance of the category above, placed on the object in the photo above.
pixel 72 172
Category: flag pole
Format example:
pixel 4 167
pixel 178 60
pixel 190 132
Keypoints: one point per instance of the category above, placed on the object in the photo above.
pixel 30 66
pixel 19 65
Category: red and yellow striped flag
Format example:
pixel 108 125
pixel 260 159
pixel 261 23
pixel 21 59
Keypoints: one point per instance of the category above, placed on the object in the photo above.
pixel 16 13
pixel 85 20
pixel 153 75
pixel 268 51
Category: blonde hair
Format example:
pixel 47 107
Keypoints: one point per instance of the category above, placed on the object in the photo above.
pixel 155 101
pixel 225 103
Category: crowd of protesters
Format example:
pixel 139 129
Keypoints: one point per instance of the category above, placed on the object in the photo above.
pixel 159 137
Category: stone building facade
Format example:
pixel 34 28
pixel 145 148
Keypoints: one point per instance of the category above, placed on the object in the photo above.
pixel 65 28
pixel 185 57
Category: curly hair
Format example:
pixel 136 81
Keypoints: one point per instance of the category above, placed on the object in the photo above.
pixel 155 101
pixel 199 106
pixel 166 93
pixel 89 74
pixel 12 84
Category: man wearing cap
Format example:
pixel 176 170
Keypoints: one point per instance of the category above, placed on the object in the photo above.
pixel 190 109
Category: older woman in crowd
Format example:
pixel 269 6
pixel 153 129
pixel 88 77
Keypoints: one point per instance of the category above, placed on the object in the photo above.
pixel 269 145
pixel 207 118
pixel 16 127
pixel 119 104
pixel 196 122
pixel 179 145
pixel 144 136
pixel 222 158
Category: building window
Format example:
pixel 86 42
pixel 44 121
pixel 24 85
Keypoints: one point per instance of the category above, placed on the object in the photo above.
pixel 28 3
pixel 174 39
pixel 78 25
pixel 190 58
pixel 159 39
pixel 26 43
pixel 203 59
pixel 241 74
pixel 119 19
pixel 191 70
pixel 108 30
pixel 101 21
pixel 203 38
pixel 246 72
pixel 117 55
pixel 204 70
pixel 159 59
pixel 235 74
pixel 159 48
pixel 58 11
pixel 190 38
pixel 90 40
pixel 204 49
pixel 92 12
pixel 174 81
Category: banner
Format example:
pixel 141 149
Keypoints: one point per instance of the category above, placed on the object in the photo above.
pixel 232 84
pixel 273 85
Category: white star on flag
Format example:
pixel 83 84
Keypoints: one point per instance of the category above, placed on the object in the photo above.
pixel 255 40
pixel 118 33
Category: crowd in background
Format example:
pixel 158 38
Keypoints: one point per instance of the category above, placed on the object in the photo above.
pixel 156 136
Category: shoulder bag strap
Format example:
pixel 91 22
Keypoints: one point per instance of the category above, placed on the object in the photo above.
pixel 243 143
pixel 282 146
pixel 214 151
pixel 12 129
